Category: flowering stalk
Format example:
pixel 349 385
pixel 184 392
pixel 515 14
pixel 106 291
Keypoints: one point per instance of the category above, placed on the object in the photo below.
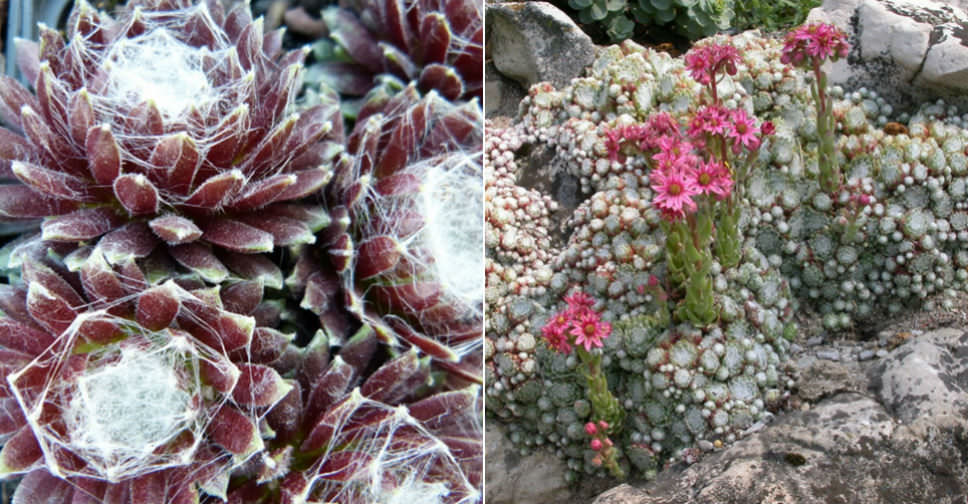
pixel 580 328
pixel 724 132
pixel 606 454
pixel 809 46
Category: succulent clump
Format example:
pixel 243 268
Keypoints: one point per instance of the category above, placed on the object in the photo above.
pixel 205 313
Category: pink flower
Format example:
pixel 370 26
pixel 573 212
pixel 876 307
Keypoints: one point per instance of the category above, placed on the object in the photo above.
pixel 613 142
pixel 713 178
pixel 591 429
pixel 814 43
pixel 603 424
pixel 710 120
pixel 596 444
pixel 589 330
pixel 579 301
pixel 555 333
pixel 767 128
pixel 704 62
pixel 657 127
pixel 674 192
pixel 744 131
pixel 674 155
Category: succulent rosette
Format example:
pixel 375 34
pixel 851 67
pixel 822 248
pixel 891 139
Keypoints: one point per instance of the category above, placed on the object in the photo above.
pixel 407 232
pixel 344 434
pixel 438 44
pixel 153 396
pixel 172 122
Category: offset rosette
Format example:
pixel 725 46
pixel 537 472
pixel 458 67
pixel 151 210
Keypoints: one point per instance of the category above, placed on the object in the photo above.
pixel 175 117
pixel 345 436
pixel 154 397
pixel 438 44
pixel 407 229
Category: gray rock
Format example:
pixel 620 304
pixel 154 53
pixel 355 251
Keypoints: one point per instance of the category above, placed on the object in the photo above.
pixel 865 355
pixel 926 374
pixel 824 378
pixel 501 95
pixel 830 354
pixel 512 479
pixel 908 51
pixel 531 42
pixel 814 341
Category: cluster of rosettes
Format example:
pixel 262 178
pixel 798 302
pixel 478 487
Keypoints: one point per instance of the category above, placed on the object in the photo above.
pixel 682 388
pixel 191 323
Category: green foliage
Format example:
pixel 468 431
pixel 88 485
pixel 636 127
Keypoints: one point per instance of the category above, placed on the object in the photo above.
pixel 691 18
pixel 772 15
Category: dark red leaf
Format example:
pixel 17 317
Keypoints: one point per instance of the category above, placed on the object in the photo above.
pixel 283 231
pixel 377 255
pixel 20 452
pixel 435 37
pixel 263 192
pixel 254 267
pixel 241 297
pixel 103 154
pixel 177 156
pixel 158 306
pixel 81 225
pixel 175 230
pixel 237 236
pixel 21 202
pixel 137 194
pixel 132 241
pixel 234 431
pixel 443 78
pixel 216 191
pixel 259 386
pixel 200 259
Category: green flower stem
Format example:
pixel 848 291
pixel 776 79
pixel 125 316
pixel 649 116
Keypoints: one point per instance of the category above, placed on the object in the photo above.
pixel 830 176
pixel 689 258
pixel 729 244
pixel 604 405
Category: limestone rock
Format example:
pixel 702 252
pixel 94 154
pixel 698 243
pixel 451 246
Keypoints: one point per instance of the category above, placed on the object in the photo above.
pixel 907 50
pixel 532 42
pixel 512 479
pixel 501 94
pixel 926 376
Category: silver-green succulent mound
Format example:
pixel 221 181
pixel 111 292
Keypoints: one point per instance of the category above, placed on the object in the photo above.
pixel 889 239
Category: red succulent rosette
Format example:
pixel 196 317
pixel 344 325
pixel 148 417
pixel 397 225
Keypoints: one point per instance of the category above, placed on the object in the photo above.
pixel 407 228
pixel 153 395
pixel 346 436
pixel 438 44
pixel 174 116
